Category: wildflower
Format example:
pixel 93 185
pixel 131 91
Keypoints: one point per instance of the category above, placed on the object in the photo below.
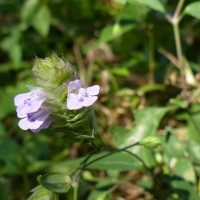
pixel 37 120
pixel 45 106
pixel 29 102
pixel 35 116
pixel 79 97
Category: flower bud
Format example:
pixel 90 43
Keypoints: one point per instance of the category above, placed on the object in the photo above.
pixel 150 141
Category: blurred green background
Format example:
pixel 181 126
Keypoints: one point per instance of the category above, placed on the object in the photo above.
pixel 128 48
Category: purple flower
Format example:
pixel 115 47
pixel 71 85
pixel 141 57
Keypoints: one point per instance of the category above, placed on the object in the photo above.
pixel 35 116
pixel 79 97
pixel 29 102
pixel 36 121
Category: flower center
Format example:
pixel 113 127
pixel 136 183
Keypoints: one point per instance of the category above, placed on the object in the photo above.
pixel 31 117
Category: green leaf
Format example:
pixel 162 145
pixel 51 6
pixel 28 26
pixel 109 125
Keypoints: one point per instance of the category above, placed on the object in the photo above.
pixel 113 31
pixel 173 147
pixel 154 4
pixel 184 169
pixel 41 193
pixel 120 71
pixel 184 189
pixel 120 161
pixel 41 21
pixel 193 123
pixel 193 148
pixel 133 12
pixel 29 8
pixel 11 159
pixel 15 54
pixel 146 125
pixel 56 182
pixel 101 190
pixel 193 9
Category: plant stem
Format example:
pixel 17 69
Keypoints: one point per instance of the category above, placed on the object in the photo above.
pixel 175 23
pixel 75 197
pixel 151 56
pixel 179 8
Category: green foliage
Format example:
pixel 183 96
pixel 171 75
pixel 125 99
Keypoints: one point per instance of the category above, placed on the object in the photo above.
pixel 56 182
pixel 193 9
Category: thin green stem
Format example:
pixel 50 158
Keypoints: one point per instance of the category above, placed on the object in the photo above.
pixel 110 153
pixel 144 164
pixel 151 56
pixel 178 43
pixel 175 23
pixel 179 8
pixel 75 196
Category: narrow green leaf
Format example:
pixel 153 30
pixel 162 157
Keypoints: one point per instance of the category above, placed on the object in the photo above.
pixel 56 182
pixel 153 4
pixel 42 20
pixel 114 31
pixel 120 161
pixel 29 8
pixel 193 9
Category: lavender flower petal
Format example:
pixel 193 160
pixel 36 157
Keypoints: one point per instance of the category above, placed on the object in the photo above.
pixel 94 90
pixel 89 101
pixel 29 107
pixel 20 98
pixel 73 102
pixel 81 97
pixel 34 120
pixel 45 125
pixel 74 86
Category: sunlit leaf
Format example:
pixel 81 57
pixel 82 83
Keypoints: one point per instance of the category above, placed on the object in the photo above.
pixel 173 147
pixel 154 4
pixel 111 32
pixel 28 9
pixel 41 21
pixel 184 169
pixel 193 148
pixel 193 9
pixel 146 125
